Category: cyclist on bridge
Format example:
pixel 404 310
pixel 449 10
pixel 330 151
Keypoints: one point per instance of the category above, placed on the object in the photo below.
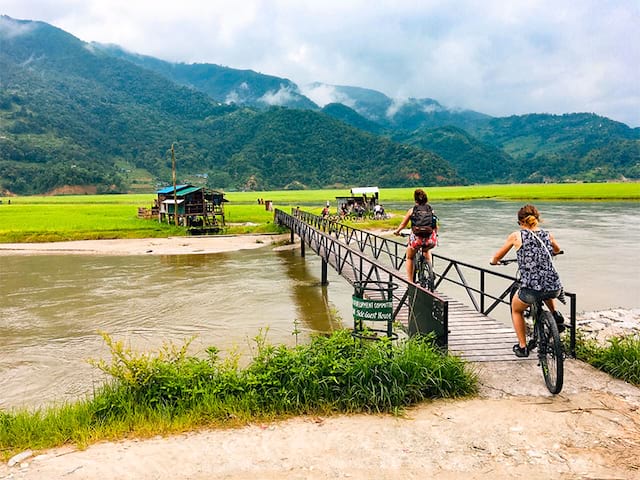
pixel 424 230
pixel 539 279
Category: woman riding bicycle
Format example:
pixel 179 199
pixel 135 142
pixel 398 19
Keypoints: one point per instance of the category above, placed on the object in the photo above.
pixel 539 280
pixel 423 230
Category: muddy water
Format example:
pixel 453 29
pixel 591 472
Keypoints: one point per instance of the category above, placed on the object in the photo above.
pixel 53 307
pixel 601 242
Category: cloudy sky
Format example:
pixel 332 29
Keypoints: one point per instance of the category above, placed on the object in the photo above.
pixel 498 57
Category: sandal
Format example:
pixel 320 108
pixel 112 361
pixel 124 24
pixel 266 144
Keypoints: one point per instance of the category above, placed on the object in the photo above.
pixel 520 351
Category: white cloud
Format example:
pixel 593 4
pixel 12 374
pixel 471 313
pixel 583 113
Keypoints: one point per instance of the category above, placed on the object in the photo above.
pixel 11 30
pixel 322 94
pixel 497 57
pixel 281 97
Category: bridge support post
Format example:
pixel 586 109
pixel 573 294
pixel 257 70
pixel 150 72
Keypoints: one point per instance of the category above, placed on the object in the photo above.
pixel 292 237
pixel 301 247
pixel 324 280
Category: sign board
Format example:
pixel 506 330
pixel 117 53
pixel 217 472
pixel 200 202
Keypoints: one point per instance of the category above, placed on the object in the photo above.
pixel 372 310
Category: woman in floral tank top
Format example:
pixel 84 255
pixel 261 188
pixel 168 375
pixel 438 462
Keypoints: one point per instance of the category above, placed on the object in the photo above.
pixel 538 277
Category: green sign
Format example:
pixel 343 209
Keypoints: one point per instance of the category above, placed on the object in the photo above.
pixel 372 310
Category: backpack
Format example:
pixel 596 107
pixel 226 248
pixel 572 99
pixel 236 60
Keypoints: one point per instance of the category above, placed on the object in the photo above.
pixel 422 220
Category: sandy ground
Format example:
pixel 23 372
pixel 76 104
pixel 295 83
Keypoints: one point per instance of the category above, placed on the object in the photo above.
pixel 145 246
pixel 513 428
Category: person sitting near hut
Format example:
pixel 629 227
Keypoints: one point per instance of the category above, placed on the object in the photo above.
pixel 344 211
pixel 378 212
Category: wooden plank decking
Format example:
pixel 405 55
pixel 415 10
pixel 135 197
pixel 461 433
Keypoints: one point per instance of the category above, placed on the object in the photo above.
pixel 477 337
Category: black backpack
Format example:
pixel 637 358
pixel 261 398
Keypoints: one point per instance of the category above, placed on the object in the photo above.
pixel 422 220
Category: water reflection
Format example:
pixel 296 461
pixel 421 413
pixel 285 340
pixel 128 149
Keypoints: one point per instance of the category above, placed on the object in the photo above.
pixel 314 311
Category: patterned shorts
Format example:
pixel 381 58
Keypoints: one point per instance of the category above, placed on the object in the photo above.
pixel 530 296
pixel 416 242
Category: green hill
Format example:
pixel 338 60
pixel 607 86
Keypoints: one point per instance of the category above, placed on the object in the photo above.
pixel 577 146
pixel 477 161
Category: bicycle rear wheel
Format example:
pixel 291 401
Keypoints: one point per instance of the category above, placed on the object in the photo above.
pixel 418 270
pixel 428 273
pixel 550 352
pixel 423 273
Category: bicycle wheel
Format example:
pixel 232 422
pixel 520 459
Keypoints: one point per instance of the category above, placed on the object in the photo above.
pixel 429 276
pixel 418 270
pixel 550 352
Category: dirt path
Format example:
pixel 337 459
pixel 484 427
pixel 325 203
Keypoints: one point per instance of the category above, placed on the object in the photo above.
pixel 514 428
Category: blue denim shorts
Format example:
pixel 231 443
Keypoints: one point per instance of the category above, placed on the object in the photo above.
pixel 530 296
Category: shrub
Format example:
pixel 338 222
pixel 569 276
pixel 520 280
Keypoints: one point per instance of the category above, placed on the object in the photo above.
pixel 619 358
pixel 171 391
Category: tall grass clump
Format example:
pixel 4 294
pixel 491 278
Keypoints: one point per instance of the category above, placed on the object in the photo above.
pixel 620 357
pixel 172 391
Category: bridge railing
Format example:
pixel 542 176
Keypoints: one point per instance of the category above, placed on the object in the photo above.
pixel 426 312
pixel 487 290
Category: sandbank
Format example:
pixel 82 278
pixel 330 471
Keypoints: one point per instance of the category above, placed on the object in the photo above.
pixel 146 246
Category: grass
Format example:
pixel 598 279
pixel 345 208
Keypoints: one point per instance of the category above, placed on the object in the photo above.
pixel 558 191
pixel 171 391
pixel 620 357
pixel 79 217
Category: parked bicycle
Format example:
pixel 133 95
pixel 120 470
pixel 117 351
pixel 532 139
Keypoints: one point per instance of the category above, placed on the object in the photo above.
pixel 422 270
pixel 545 337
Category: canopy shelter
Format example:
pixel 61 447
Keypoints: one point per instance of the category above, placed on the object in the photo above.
pixel 361 197
pixel 365 191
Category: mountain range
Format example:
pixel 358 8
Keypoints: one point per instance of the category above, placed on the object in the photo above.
pixel 78 116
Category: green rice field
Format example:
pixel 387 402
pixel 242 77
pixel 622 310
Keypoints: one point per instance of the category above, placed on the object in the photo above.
pixel 76 217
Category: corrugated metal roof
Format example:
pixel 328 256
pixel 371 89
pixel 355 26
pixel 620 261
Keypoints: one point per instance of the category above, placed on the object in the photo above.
pixel 170 189
pixel 187 191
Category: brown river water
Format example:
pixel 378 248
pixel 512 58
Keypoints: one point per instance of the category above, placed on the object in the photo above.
pixel 53 308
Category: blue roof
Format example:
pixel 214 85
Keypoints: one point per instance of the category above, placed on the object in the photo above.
pixel 170 189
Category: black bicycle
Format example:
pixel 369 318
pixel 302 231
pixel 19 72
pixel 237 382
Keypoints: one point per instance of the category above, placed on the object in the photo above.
pixel 546 338
pixel 422 270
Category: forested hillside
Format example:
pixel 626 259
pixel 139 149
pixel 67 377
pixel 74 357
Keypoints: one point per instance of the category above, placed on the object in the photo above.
pixel 472 158
pixel 578 146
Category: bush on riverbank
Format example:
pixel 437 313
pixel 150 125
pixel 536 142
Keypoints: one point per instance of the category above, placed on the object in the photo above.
pixel 171 391
pixel 620 358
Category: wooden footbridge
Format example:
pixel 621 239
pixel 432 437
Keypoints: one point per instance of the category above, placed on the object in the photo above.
pixel 374 265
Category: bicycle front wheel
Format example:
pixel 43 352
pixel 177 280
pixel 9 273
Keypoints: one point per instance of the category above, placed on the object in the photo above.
pixel 550 352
